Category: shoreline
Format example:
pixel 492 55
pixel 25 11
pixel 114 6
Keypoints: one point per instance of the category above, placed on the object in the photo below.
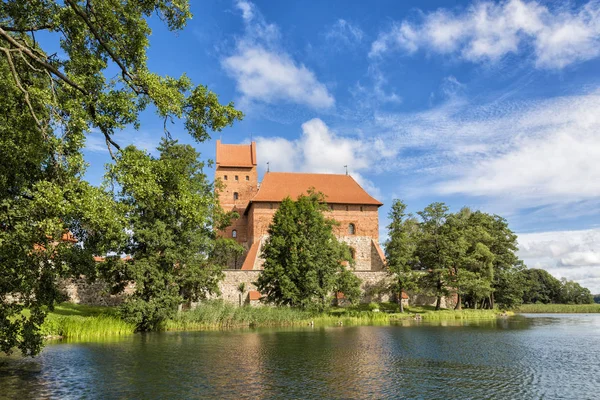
pixel 79 322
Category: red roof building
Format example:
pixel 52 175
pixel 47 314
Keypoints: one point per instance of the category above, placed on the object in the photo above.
pixel 239 190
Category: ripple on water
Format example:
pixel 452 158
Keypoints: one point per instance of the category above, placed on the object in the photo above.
pixel 534 357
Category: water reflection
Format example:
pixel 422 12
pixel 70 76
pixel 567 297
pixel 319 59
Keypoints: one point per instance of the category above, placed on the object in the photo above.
pixel 522 357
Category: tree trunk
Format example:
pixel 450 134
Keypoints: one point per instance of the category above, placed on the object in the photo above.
pixel 458 305
pixel 492 301
pixel 438 301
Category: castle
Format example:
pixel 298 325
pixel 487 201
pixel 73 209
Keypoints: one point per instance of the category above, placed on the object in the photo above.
pixel 350 205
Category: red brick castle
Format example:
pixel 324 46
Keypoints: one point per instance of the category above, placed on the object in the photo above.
pixel 349 203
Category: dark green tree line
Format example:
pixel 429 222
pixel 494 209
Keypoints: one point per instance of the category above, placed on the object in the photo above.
pixel 469 254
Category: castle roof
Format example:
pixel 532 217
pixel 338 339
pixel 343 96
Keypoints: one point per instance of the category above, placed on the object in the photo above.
pixel 338 189
pixel 236 155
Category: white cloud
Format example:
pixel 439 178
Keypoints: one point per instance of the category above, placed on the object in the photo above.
pixel 513 155
pixel 345 33
pixel 488 31
pixel 265 73
pixel 320 150
pixel 551 155
pixel 574 255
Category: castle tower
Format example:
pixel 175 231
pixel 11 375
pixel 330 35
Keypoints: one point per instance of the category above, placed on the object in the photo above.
pixel 236 170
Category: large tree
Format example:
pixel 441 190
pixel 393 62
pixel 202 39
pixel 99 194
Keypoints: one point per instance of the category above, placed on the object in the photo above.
pixel 98 81
pixel 304 262
pixel 173 215
pixel 401 248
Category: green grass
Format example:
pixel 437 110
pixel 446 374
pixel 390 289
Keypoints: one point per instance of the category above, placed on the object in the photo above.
pixel 559 308
pixel 74 321
pixel 220 315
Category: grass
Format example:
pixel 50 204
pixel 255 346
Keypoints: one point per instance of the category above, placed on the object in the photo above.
pixel 74 321
pixel 559 308
pixel 220 315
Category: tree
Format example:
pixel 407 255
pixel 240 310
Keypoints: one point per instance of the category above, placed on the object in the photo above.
pixel 573 293
pixel 434 249
pixel 172 215
pixel 49 103
pixel 44 205
pixel 303 259
pixel 540 287
pixel 400 249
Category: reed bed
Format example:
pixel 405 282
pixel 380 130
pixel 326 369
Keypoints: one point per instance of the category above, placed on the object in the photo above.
pixel 72 321
pixel 559 308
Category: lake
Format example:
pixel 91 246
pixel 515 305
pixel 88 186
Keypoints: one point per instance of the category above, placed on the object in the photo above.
pixel 524 357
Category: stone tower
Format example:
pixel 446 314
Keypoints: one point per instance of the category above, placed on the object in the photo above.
pixel 236 170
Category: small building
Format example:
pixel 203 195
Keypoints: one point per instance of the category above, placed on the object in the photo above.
pixel 349 204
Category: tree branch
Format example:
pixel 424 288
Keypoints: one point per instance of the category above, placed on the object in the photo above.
pixel 43 63
pixel 22 89
pixel 125 72
pixel 27 29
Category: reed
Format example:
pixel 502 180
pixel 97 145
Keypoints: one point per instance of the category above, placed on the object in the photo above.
pixel 72 321
pixel 559 308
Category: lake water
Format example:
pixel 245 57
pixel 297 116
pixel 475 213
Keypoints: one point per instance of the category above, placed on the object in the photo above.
pixel 524 357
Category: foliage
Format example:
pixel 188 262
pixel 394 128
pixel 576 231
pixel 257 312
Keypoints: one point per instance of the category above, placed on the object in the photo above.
pixel 172 210
pixel 433 249
pixel 558 308
pixel 573 293
pixel 400 249
pixel 540 287
pixel 50 102
pixel 303 259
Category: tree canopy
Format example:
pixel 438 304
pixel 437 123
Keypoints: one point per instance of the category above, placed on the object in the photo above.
pixel 51 101
pixel 304 261
pixel 470 254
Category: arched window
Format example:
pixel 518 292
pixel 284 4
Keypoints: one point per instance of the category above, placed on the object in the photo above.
pixel 236 195
pixel 225 177
pixel 353 253
pixel 247 178
pixel 351 229
pixel 234 233
pixel 236 178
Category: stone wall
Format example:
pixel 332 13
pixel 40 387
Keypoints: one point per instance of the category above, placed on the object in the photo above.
pixel 229 285
pixel 97 293
pixel 374 286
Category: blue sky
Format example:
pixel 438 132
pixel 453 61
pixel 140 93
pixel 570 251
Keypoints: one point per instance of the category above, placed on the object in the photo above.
pixel 491 105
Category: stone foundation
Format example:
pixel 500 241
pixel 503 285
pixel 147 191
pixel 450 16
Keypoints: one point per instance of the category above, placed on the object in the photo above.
pixel 375 287
pixel 97 293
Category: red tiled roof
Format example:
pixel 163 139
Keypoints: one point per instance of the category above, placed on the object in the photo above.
pixel 236 155
pixel 379 250
pixel 254 295
pixel 338 189
pixel 250 257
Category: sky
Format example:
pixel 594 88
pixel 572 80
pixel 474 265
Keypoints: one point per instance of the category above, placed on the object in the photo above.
pixel 490 105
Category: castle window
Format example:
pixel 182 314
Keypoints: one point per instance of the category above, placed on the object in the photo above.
pixel 351 229
pixel 361 208
pixel 236 178
pixel 247 178
pixel 234 233
pixel 236 195
pixel 224 177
